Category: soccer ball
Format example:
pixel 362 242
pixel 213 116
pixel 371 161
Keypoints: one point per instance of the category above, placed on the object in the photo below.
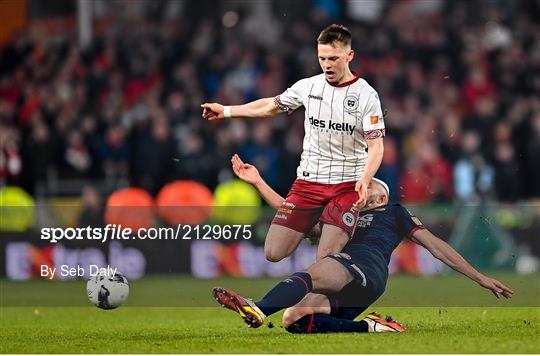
pixel 108 292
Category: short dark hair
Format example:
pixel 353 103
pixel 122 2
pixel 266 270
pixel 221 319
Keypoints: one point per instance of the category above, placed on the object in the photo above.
pixel 335 33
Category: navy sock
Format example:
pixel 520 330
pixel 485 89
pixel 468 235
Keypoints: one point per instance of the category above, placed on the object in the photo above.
pixel 286 293
pixel 324 324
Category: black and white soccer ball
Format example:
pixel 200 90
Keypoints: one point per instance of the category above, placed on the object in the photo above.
pixel 108 292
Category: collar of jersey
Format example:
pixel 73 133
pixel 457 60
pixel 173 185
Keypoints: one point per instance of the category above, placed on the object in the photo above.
pixel 356 77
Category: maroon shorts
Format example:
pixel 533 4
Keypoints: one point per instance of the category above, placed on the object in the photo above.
pixel 310 202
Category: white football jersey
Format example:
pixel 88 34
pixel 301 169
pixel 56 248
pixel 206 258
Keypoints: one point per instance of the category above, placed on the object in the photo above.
pixel 338 121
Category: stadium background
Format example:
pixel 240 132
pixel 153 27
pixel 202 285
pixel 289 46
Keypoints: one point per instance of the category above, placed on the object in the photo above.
pixel 103 95
pixel 98 96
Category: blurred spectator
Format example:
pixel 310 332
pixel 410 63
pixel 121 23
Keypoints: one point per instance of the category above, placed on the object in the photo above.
pixel 92 208
pixel 153 157
pixel 477 87
pixel 196 162
pixel 414 183
pixel 77 156
pixel 10 157
pixel 114 153
pixel 473 177
pixel 428 177
pixel 389 170
pixel 263 153
pixel 39 154
pixel 507 187
pixel 533 156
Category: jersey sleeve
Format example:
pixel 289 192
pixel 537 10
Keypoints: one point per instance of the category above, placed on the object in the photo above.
pixel 292 98
pixel 372 120
pixel 407 222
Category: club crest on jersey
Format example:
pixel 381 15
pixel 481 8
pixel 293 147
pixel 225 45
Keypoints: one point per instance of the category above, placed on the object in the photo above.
pixel 350 103
pixel 365 220
pixel 348 219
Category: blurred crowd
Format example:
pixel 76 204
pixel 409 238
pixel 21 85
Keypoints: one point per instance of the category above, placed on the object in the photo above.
pixel 459 80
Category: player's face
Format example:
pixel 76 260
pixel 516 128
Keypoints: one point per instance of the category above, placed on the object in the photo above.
pixel 376 195
pixel 334 60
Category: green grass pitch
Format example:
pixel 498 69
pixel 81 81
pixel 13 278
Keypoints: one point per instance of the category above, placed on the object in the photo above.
pixel 175 314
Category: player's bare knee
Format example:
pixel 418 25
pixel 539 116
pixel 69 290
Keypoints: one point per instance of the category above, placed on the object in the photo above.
pixel 289 317
pixel 317 279
pixel 273 258
pixel 280 242
pixel 332 241
pixel 328 276
pixel 274 255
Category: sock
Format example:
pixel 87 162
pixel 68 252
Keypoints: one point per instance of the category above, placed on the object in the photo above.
pixel 286 293
pixel 324 324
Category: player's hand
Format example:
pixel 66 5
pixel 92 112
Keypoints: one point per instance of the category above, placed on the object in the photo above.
pixel 212 111
pixel 496 287
pixel 361 189
pixel 247 172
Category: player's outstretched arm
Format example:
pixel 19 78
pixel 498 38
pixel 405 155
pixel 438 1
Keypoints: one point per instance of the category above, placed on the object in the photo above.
pixel 265 107
pixel 374 159
pixel 249 173
pixel 444 252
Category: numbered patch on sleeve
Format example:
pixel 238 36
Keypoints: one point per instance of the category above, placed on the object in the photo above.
pixel 414 218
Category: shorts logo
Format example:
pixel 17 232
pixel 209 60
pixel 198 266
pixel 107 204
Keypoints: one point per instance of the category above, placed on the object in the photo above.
pixel 289 204
pixel 350 103
pixel 348 219
pixel 355 267
pixel 285 211
pixel 342 255
pixel 365 220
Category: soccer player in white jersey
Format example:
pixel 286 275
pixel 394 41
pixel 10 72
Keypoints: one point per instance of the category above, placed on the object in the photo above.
pixel 342 149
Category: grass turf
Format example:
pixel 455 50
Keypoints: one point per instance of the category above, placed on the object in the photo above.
pixel 176 315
